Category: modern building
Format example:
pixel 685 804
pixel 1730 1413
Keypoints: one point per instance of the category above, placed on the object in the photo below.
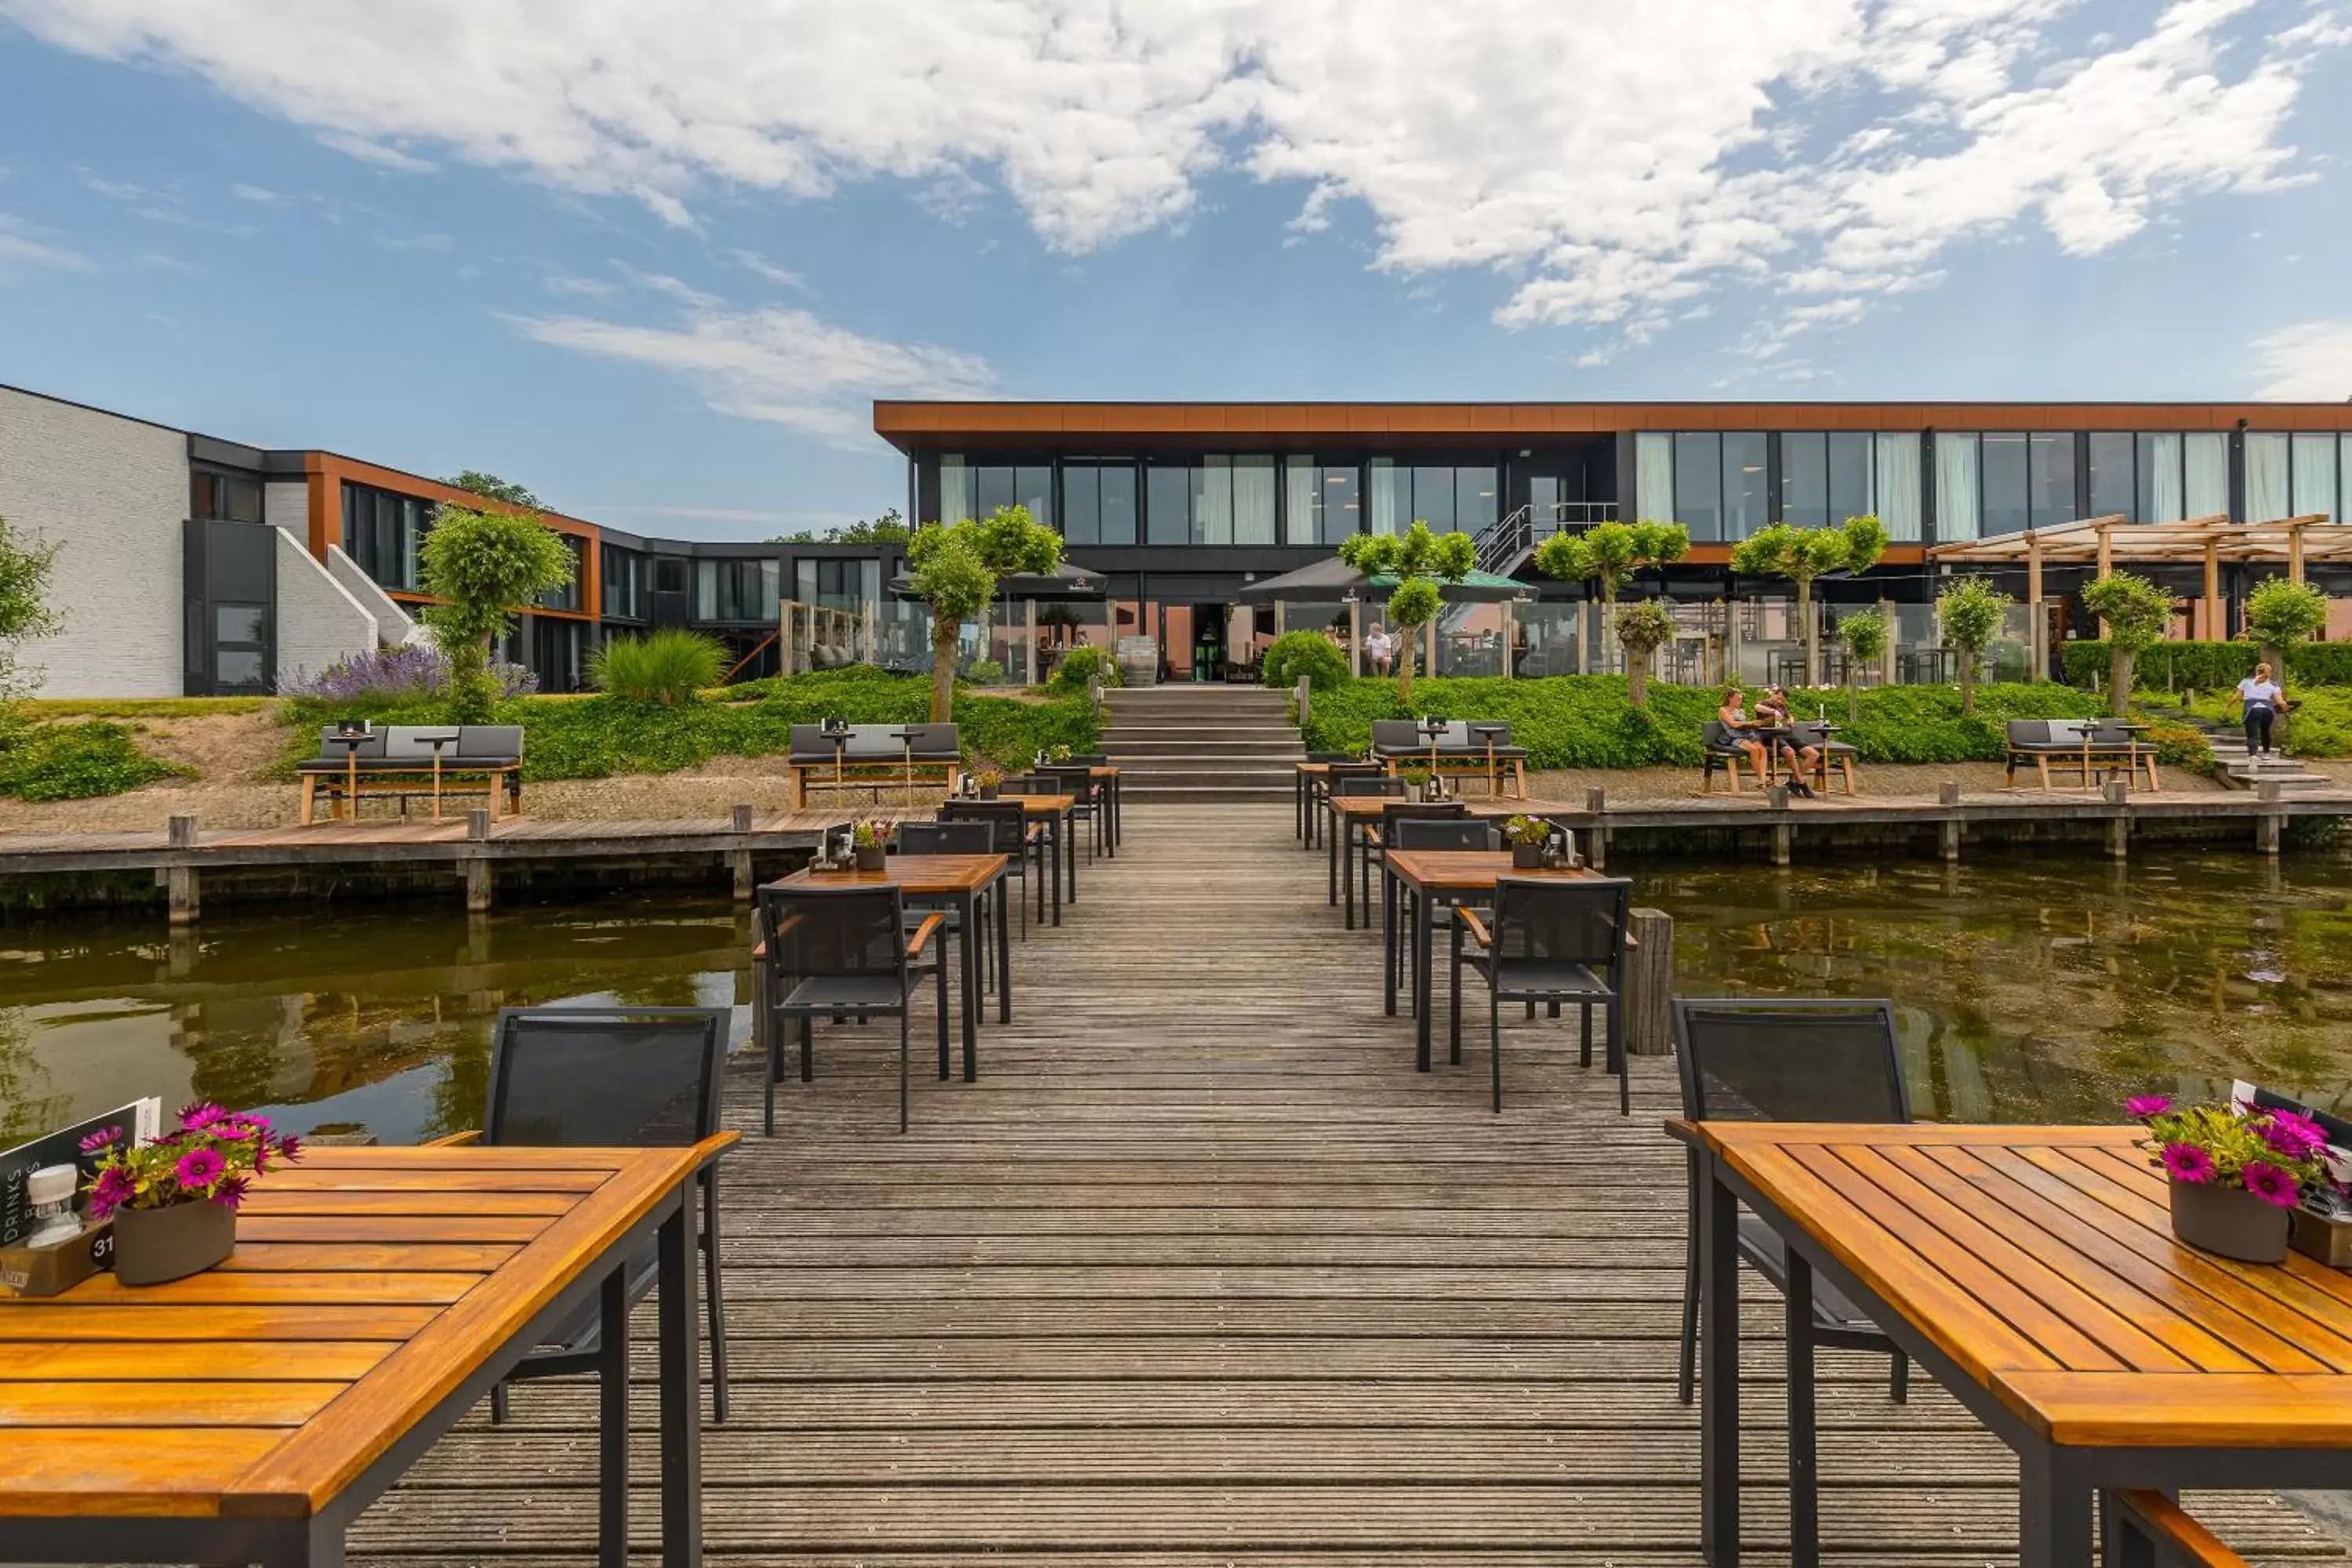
pixel 190 563
pixel 1182 505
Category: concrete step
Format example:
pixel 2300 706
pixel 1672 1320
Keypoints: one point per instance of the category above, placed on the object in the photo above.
pixel 1208 795
pixel 1257 730
pixel 1135 783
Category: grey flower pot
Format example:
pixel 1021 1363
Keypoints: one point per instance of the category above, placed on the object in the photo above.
pixel 154 1245
pixel 2229 1222
pixel 870 858
pixel 1526 857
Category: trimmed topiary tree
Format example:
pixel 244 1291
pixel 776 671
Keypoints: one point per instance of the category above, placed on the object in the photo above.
pixel 2137 614
pixel 480 565
pixel 1608 553
pixel 1419 559
pixel 1971 612
pixel 1081 664
pixel 954 569
pixel 25 613
pixel 1310 654
pixel 1863 633
pixel 1644 626
pixel 2280 613
pixel 1802 554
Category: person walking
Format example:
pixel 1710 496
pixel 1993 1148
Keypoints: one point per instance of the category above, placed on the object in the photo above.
pixel 2260 702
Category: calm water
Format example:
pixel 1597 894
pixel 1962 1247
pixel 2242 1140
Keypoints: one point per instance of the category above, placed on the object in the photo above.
pixel 2030 989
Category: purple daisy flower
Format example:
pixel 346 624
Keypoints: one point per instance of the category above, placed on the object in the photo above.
pixel 2185 1163
pixel 2140 1107
pixel 290 1147
pixel 204 1113
pixel 2293 1134
pixel 199 1168
pixel 100 1140
pixel 2268 1183
pixel 232 1192
pixel 114 1188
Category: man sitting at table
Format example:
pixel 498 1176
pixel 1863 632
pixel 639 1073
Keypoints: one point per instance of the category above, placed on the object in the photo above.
pixel 1772 708
pixel 1734 717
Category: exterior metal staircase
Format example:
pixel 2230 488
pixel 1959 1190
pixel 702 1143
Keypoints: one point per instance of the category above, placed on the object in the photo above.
pixel 1506 544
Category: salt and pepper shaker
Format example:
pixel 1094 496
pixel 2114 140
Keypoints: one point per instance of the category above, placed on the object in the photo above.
pixel 51 1191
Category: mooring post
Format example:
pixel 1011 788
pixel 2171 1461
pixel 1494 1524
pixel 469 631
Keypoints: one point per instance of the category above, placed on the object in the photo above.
pixel 1947 796
pixel 739 861
pixel 1784 835
pixel 2270 827
pixel 477 869
pixel 1305 700
pixel 1596 849
pixel 1650 984
pixel 180 890
pixel 2118 794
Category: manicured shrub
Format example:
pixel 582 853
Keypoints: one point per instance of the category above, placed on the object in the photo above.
pixel 670 667
pixel 1310 654
pixel 1080 665
pixel 2318 725
pixel 2214 665
pixel 77 762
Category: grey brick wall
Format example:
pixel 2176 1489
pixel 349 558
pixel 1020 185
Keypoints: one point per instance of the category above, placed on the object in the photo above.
pixel 319 621
pixel 114 492
pixel 286 503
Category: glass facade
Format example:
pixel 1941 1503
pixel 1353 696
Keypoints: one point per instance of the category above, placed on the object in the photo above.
pixel 1825 477
pixel 2004 481
pixel 972 489
pixel 1721 485
pixel 738 590
pixel 381 530
pixel 623 585
pixel 1320 503
pixel 2298 475
pixel 850 584
pixel 574 594
pixel 1099 500
pixel 215 497
pixel 1451 498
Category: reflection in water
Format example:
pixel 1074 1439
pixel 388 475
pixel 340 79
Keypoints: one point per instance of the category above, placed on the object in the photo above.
pixel 2030 989
pixel 388 1031
pixel 2048 988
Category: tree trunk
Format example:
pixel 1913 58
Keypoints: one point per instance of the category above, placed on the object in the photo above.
pixel 1637 675
pixel 943 652
pixel 1968 679
pixel 2276 657
pixel 1608 622
pixel 1813 638
pixel 2119 678
pixel 1407 637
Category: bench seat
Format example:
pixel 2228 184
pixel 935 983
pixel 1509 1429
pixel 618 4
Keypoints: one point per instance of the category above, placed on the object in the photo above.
pixel 2090 745
pixel 870 756
pixel 1465 746
pixel 395 758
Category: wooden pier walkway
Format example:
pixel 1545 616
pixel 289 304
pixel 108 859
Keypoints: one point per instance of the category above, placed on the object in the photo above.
pixel 1201 1272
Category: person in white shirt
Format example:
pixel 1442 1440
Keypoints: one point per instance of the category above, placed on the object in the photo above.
pixel 2260 701
pixel 1379 649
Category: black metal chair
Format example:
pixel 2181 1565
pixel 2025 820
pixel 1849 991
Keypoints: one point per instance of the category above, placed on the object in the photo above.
pixel 592 1078
pixel 1346 765
pixel 1077 780
pixel 1555 941
pixel 1458 833
pixel 843 953
pixel 1788 1060
pixel 1375 836
pixel 1011 836
pixel 953 838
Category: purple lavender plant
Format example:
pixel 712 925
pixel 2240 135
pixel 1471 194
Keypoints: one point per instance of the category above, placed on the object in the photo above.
pixel 411 672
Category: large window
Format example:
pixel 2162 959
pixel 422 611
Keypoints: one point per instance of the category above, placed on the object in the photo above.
pixel 623 586
pixel 2295 476
pixel 2159 476
pixel 1099 500
pixel 381 530
pixel 1319 501
pixel 1746 496
pixel 737 590
pixel 1222 498
pixel 1168 503
pixel 1698 485
pixel 1827 476
pixel 573 595
pixel 217 497
pixel 1958 498
pixel 847 584
pixel 1451 498
pixel 970 488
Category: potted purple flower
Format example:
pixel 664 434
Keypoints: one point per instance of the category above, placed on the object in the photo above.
pixel 174 1199
pixel 1529 837
pixel 869 842
pixel 2235 1171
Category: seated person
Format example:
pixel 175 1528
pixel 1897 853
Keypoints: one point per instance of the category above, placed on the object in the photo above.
pixel 1734 716
pixel 1772 708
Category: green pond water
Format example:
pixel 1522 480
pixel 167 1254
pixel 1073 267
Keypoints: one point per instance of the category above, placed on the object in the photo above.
pixel 2041 988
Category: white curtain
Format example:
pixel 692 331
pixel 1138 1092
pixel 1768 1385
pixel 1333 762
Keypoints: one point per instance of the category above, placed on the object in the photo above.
pixel 1898 485
pixel 1958 510
pixel 1654 475
pixel 2267 499
pixel 1212 500
pixel 955 494
pixel 2315 475
pixel 2164 492
pixel 1298 501
pixel 1386 503
pixel 1254 498
pixel 2207 494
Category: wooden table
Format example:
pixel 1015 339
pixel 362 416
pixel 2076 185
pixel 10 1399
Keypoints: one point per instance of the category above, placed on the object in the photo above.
pixel 1303 778
pixel 2032 1270
pixel 1349 813
pixel 937 882
pixel 1113 804
pixel 1443 876
pixel 248 1413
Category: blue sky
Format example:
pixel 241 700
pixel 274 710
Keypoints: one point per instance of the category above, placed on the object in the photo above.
pixel 655 266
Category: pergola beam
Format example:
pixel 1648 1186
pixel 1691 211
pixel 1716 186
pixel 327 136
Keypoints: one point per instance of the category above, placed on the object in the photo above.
pixel 2293 542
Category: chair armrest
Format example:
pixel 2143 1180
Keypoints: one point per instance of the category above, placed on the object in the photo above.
pixel 758 950
pixel 923 935
pixel 454 1139
pixel 1473 925
pixel 707 1150
pixel 1631 942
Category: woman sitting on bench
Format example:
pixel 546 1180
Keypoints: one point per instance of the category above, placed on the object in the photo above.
pixel 1733 715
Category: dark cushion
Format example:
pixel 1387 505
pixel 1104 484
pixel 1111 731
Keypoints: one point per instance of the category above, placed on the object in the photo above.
pixel 489 744
pixel 2029 732
pixel 409 743
pixel 812 747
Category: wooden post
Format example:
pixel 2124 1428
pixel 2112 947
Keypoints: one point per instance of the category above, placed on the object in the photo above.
pixel 1784 843
pixel 739 861
pixel 1596 847
pixel 2118 794
pixel 477 870
pixel 2269 828
pixel 179 882
pixel 2106 564
pixel 1355 636
pixel 1510 619
pixel 1947 796
pixel 2294 555
pixel 1305 700
pixel 2213 632
pixel 2037 641
pixel 1886 653
pixel 1650 984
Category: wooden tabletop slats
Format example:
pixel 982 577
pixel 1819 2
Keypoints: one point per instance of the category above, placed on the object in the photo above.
pixel 366 1284
pixel 921 875
pixel 2041 1261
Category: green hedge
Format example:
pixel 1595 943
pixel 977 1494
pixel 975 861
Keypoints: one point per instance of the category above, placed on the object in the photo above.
pixel 77 762
pixel 1310 654
pixel 2211 666
pixel 596 737
pixel 1584 720
pixel 2319 725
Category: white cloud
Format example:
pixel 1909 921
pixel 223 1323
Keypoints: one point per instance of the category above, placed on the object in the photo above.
pixel 18 245
pixel 245 193
pixel 785 366
pixel 1615 164
pixel 591 288
pixel 2310 362
pixel 376 153
pixel 753 262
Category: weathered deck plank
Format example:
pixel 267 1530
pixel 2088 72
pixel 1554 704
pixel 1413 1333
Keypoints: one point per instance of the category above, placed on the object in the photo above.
pixel 1202 1272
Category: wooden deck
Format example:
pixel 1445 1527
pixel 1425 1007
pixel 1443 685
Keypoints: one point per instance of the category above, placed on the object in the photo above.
pixel 1201 1272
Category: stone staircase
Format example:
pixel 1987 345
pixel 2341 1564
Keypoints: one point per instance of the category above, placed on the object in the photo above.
pixel 2234 768
pixel 1202 743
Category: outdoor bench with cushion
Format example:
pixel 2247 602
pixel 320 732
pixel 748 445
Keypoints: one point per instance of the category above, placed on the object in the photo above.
pixel 1721 748
pixel 874 757
pixel 2088 745
pixel 1834 753
pixel 394 759
pixel 1463 746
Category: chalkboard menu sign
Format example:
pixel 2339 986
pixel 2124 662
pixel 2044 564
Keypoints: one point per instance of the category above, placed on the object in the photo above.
pixel 143 1119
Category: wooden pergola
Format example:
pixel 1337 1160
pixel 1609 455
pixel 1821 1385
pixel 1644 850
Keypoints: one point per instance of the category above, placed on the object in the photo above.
pixel 2101 542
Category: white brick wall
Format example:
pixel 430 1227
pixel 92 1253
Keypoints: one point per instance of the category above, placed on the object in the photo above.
pixel 114 493
pixel 319 621
pixel 392 622
pixel 286 503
